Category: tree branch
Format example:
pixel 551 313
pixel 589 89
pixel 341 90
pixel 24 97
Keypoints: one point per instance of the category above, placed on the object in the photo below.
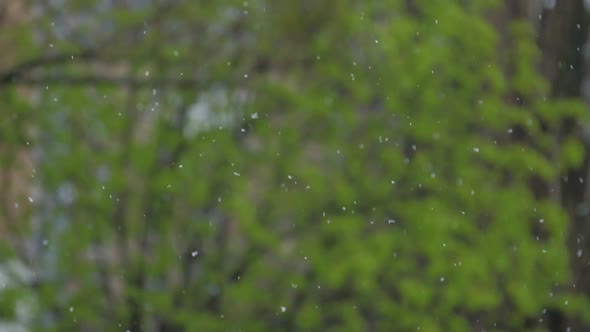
pixel 103 81
pixel 17 72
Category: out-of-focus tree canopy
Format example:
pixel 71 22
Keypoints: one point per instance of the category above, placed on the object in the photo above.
pixel 283 166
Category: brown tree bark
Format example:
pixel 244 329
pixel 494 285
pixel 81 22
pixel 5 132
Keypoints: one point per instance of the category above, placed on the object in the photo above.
pixel 562 35
pixel 561 28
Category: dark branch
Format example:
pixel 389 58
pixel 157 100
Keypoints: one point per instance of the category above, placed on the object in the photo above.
pixel 17 72
pixel 85 80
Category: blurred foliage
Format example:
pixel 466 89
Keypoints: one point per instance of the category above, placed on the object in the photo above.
pixel 336 166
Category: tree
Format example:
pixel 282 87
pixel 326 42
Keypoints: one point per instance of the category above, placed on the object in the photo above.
pixel 293 166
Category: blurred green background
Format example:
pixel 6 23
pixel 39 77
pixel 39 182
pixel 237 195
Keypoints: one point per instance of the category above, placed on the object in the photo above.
pixel 303 165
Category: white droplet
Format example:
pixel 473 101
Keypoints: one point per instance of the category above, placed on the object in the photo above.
pixel 254 116
pixel 579 253
pixel 30 199
pixel 236 174
pixel 71 309
pixel 147 73
pixel 391 221
pixel 194 253
pixel 476 149
pixel 541 220
pixel 283 309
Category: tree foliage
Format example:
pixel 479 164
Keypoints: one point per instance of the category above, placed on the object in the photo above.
pixel 289 166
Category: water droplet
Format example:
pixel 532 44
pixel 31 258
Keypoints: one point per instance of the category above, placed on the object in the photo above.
pixel 194 253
